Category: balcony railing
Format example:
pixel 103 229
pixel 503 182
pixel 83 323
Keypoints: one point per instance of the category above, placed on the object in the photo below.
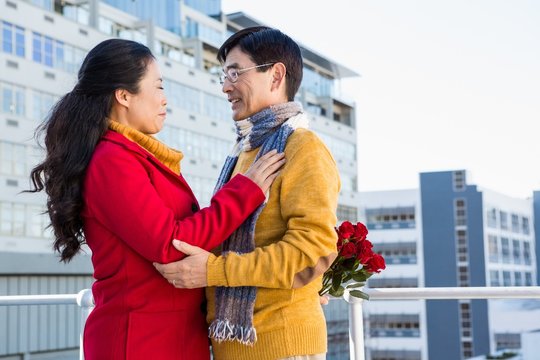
pixel 356 327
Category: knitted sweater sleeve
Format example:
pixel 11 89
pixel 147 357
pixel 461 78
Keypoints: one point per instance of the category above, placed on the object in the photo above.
pixel 307 192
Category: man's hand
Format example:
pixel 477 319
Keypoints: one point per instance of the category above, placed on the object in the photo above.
pixel 188 273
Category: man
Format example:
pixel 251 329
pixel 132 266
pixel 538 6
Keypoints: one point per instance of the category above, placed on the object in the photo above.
pixel 263 284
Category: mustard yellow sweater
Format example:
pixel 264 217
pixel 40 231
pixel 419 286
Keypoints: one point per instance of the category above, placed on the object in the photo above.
pixel 295 243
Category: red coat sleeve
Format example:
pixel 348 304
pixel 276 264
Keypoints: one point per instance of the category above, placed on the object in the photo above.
pixel 119 194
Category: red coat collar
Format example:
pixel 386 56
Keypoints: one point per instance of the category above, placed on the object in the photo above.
pixel 121 140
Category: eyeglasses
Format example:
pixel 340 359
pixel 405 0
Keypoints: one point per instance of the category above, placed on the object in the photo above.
pixel 232 74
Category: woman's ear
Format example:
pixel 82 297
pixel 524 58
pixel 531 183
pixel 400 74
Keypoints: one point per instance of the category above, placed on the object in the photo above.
pixel 122 96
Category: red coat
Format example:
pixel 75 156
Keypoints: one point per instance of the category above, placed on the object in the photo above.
pixel 134 206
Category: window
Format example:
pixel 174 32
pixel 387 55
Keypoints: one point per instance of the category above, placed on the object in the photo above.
pixel 463 276
pixel 515 223
pixel 13 99
pixel 507 278
pixel 13 39
pixel 528 279
pixel 493 248
pixel 37 222
pixel 526 253
pixel 341 149
pixel 23 220
pixel 459 180
pixel 394 325
pixel 505 250
pixel 504 220
pixel 349 213
pixel 395 355
pixel 392 282
pixel 525 225
pixel 194 145
pixel 494 279
pixel 505 341
pixel 216 107
pixel 492 218
pixel 56 54
pixel 183 96
pixel 398 253
pixel 461 246
pixel 391 218
pixel 42 104
pixel 518 281
pixel 12 219
pixel 203 188
pixel 45 4
pixel 516 251
pixel 18 159
pixel 460 212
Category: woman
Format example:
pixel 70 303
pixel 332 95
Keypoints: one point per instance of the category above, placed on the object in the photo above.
pixel 112 185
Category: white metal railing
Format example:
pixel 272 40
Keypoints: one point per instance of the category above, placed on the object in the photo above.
pixel 83 299
pixel 356 326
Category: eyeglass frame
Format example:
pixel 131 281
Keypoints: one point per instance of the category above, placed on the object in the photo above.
pixel 239 71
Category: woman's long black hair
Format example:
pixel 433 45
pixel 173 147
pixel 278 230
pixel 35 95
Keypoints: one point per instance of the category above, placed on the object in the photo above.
pixel 76 123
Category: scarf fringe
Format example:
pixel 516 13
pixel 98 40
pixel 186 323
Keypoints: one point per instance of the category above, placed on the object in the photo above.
pixel 224 330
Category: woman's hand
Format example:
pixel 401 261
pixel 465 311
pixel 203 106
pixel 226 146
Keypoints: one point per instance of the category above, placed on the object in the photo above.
pixel 264 171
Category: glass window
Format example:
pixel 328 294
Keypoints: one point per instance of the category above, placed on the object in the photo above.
pixel 182 96
pixel 515 223
pixel 517 279
pixel 349 213
pixel 493 248
pixel 48 51
pixel 36 47
pixel 516 251
pixel 7 37
pixel 526 253
pixel 13 99
pixel 507 278
pixel 45 4
pixel 504 220
pixel 42 104
pixel 57 54
pixel 505 250
pixel 12 39
pixel 492 218
pixel 6 216
pixel 525 225
pixel 528 279
pixel 19 41
pixel 494 278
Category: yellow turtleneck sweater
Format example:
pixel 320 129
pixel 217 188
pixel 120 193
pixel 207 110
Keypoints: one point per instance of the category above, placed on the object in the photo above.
pixel 168 156
pixel 295 243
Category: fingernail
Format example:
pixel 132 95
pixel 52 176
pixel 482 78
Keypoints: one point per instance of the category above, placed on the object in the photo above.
pixel 176 242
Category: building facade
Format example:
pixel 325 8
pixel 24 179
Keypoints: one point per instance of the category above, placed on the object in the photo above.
pixel 43 43
pixel 449 233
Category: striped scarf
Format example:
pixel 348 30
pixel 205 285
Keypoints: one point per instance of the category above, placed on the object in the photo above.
pixel 267 129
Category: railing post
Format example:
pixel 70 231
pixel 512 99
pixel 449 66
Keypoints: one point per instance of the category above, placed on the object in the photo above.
pixel 356 327
pixel 85 301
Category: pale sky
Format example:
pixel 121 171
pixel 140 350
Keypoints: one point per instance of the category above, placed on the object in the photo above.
pixel 444 84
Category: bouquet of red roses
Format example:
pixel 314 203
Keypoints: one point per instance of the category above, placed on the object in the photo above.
pixel 355 262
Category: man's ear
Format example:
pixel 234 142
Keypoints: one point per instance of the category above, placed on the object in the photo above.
pixel 278 77
pixel 122 96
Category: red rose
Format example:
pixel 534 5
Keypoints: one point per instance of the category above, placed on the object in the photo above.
pixel 360 231
pixel 346 230
pixel 348 250
pixel 339 244
pixel 375 264
pixel 363 251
